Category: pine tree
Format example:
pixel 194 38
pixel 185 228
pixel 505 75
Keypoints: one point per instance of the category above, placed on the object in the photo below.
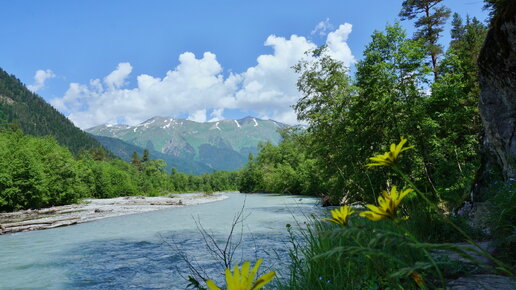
pixel 135 160
pixel 146 155
pixel 429 24
pixel 457 31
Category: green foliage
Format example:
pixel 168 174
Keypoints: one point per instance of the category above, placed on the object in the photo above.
pixel 126 151
pixel 352 120
pixel 365 255
pixel 286 168
pixel 502 218
pixel 436 228
pixel 391 81
pixel 37 172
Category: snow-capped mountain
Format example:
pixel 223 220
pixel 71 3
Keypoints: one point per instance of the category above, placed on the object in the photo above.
pixel 221 145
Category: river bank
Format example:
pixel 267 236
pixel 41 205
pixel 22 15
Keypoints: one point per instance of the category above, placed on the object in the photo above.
pixel 95 209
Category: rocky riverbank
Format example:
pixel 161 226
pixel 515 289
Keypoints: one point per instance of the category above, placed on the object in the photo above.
pixel 94 209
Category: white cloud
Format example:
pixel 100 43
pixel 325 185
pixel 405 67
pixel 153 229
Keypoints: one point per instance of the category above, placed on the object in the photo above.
pixel 116 79
pixel 322 27
pixel 198 116
pixel 338 46
pixel 269 88
pixel 217 115
pixel 40 78
pixel 197 88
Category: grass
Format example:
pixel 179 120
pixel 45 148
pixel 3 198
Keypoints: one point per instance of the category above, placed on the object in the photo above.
pixel 377 255
pixel 364 255
pixel 502 219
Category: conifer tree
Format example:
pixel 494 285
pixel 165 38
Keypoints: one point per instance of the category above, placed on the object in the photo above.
pixel 429 25
pixel 457 31
pixel 135 160
pixel 146 155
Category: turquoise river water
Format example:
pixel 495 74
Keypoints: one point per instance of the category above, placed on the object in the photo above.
pixel 142 250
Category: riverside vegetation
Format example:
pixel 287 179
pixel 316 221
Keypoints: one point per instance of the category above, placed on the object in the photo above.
pixel 402 87
pixel 37 172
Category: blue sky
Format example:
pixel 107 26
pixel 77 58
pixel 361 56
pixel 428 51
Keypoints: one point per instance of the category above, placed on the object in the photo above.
pixel 127 61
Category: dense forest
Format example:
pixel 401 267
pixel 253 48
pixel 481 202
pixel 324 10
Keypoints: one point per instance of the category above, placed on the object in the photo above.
pixel 34 116
pixel 394 93
pixel 37 172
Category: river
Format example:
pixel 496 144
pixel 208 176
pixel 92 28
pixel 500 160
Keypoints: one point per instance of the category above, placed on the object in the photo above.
pixel 142 250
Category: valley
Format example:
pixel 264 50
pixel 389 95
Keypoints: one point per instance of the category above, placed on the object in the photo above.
pixel 190 146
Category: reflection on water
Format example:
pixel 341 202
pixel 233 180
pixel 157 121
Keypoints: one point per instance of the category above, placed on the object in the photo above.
pixel 141 251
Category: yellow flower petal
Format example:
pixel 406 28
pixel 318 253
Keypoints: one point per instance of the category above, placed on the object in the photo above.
pixel 229 278
pixel 211 285
pixel 264 279
pixel 243 278
pixel 371 215
pixel 255 269
pixel 388 203
pixel 405 192
pixel 389 158
pixel 341 215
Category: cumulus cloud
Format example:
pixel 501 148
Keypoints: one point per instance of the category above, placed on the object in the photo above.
pixel 217 115
pixel 40 77
pixel 269 88
pixel 338 46
pixel 198 116
pixel 322 27
pixel 196 87
pixel 116 79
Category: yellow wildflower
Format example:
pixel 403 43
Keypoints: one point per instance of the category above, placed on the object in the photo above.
pixel 389 158
pixel 388 203
pixel 341 215
pixel 243 280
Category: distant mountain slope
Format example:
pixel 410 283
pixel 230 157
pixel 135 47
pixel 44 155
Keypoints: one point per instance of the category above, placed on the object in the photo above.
pixel 125 150
pixel 35 117
pixel 222 145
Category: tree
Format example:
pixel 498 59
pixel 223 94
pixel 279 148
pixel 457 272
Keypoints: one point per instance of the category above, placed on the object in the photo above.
pixel 146 155
pixel 457 31
pixel 429 24
pixel 135 159
pixel 466 43
pixel 391 80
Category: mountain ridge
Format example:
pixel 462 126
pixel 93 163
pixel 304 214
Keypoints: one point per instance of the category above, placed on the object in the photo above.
pixel 221 145
pixel 238 122
pixel 36 117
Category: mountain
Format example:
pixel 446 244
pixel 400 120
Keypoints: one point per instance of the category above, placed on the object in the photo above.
pixel 125 150
pixel 36 117
pixel 221 145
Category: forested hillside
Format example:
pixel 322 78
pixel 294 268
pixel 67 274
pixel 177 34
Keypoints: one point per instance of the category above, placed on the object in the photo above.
pixel 126 150
pixel 196 146
pixel 34 116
